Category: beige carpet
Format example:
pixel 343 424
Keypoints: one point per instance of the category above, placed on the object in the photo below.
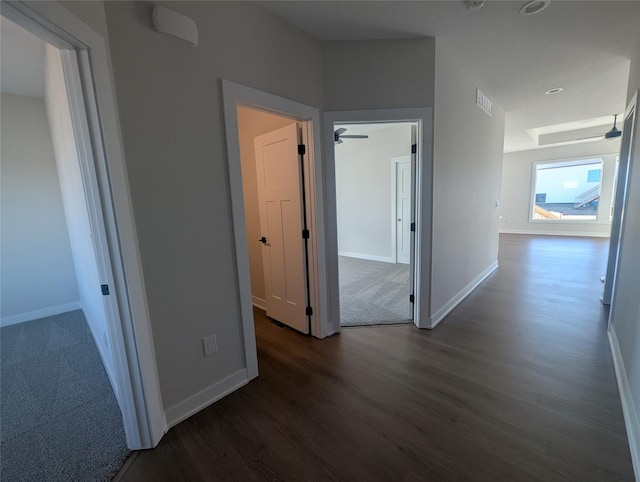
pixel 373 292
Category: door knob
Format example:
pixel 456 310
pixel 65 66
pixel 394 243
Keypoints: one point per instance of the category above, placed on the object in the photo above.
pixel 399 219
pixel 263 240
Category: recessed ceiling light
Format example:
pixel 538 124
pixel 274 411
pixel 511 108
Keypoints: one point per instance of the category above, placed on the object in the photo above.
pixel 534 6
pixel 556 90
pixel 474 4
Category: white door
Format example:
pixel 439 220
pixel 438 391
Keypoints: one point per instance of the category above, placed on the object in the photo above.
pixel 403 211
pixel 281 223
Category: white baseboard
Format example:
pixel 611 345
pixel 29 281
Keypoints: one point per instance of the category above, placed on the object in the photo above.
pixel 259 303
pixel 439 315
pixel 206 397
pixel 44 312
pixel 628 407
pixel 554 233
pixel 370 257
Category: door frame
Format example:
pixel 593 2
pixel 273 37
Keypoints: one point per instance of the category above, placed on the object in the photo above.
pixel 423 116
pixel 394 203
pixel 620 203
pixel 234 95
pixel 106 187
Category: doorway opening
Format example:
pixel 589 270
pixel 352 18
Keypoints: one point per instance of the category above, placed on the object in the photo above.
pixel 375 209
pixel 303 123
pixel 93 186
pixel 273 173
pixel 58 368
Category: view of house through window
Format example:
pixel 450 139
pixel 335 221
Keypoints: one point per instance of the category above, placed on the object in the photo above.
pixel 567 190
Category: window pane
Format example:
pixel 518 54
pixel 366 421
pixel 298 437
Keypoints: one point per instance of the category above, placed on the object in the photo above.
pixel 593 175
pixel 567 190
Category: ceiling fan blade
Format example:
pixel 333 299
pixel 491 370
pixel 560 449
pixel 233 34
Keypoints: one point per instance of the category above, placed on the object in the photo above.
pixel 339 141
pixel 354 136
pixel 340 131
pixel 596 136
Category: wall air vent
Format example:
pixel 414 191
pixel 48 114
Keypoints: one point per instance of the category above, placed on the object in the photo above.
pixel 484 102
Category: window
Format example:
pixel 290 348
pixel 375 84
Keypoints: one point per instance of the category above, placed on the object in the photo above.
pixel 593 175
pixel 566 190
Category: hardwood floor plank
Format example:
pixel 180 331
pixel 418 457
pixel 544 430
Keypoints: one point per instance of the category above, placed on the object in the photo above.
pixel 517 383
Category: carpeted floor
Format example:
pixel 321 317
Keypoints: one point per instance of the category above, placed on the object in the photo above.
pixel 373 293
pixel 59 418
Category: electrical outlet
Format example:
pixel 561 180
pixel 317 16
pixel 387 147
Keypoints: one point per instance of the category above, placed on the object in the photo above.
pixel 209 345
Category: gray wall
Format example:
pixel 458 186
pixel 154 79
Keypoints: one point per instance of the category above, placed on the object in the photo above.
pixel 171 120
pixel 467 168
pixel 36 265
pixel 253 123
pixel 625 308
pixel 363 191
pixel 378 74
pixel 516 189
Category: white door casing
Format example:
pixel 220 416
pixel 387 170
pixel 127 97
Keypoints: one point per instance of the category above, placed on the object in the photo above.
pixel 88 83
pixel 403 211
pixel 619 202
pixel 281 221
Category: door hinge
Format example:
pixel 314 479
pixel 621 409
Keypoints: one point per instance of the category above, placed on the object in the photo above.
pixel 302 149
pixel 413 227
pixel 308 311
pixel 411 299
pixel 414 148
pixel 305 234
pixel 105 289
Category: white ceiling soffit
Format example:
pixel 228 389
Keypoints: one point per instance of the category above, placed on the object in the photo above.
pixel 587 130
pixel 22 61
pixel 582 46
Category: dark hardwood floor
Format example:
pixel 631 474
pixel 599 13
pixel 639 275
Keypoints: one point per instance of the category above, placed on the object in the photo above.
pixel 516 384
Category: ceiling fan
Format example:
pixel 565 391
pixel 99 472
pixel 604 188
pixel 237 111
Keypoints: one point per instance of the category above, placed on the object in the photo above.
pixel 613 133
pixel 338 135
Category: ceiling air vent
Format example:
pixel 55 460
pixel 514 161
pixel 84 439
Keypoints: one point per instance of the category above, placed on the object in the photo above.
pixel 484 102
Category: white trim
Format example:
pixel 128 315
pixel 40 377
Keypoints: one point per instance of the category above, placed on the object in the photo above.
pixel 201 400
pixel 461 295
pixel 553 233
pixel 131 340
pixel 628 406
pixel 370 257
pixel 41 313
pixel 423 116
pixel 259 303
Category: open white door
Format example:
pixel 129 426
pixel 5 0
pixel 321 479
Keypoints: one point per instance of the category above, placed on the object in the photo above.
pixel 280 196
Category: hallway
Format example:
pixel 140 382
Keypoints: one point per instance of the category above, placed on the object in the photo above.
pixel 517 383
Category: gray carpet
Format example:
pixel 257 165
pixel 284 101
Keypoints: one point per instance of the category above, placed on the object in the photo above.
pixel 59 418
pixel 373 293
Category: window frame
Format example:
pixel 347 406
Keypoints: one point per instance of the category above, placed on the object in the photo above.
pixel 564 163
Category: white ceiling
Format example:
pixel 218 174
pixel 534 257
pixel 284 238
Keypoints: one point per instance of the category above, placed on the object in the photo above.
pixel 582 46
pixel 22 64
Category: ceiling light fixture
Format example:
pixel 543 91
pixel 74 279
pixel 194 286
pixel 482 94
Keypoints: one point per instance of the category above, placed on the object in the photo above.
pixel 614 132
pixel 474 5
pixel 534 6
pixel 555 90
